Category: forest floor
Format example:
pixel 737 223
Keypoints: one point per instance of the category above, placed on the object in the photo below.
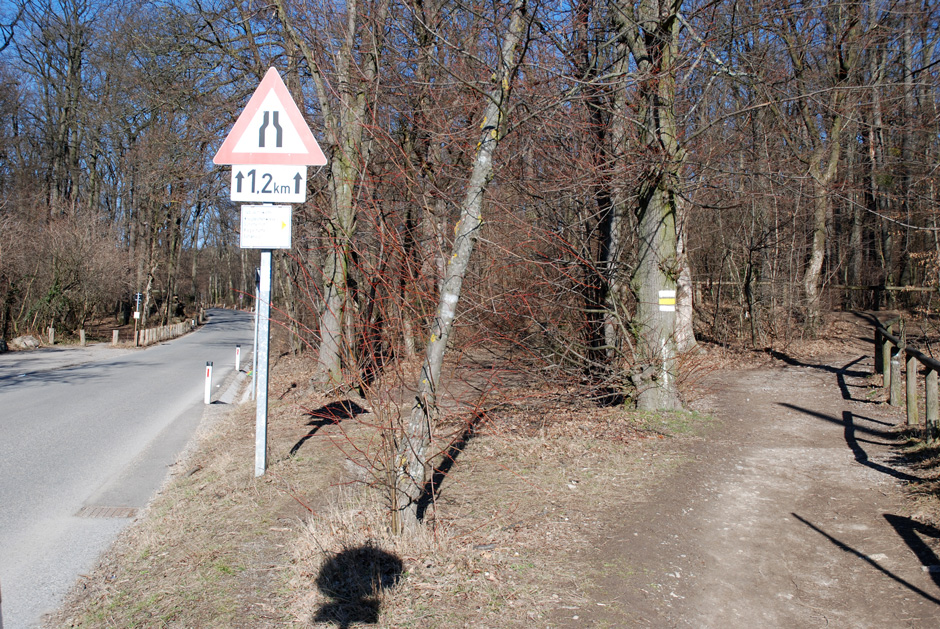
pixel 789 496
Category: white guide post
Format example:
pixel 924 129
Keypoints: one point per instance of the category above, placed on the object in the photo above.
pixel 261 410
pixel 238 358
pixel 208 396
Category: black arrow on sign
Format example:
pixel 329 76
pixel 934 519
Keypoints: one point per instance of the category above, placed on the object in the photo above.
pixel 238 180
pixel 297 180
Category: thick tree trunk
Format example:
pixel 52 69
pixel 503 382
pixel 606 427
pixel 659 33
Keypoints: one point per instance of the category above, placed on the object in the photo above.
pixel 345 131
pixel 655 327
pixel 651 31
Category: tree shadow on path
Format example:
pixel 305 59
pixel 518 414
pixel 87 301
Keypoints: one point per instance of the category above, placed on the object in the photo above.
pixel 843 546
pixel 332 413
pixel 432 487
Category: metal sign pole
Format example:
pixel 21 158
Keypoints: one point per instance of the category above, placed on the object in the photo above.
pixel 261 411
pixel 136 317
pixel 254 357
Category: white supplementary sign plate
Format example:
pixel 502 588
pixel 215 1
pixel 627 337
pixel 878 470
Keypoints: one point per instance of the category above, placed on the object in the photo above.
pixel 266 227
pixel 269 183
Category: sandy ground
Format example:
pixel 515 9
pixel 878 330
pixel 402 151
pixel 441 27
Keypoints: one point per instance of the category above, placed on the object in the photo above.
pixel 14 364
pixel 790 514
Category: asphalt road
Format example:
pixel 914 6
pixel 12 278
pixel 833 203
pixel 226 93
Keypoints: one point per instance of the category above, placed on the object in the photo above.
pixel 76 437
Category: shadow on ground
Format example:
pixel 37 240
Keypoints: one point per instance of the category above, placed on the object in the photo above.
pixel 913 534
pixel 354 580
pixel 332 413
pixel 432 487
pixel 851 430
pixel 906 529
pixel 840 372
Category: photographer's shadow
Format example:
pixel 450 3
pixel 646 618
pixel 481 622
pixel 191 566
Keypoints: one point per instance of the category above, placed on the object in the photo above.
pixel 354 580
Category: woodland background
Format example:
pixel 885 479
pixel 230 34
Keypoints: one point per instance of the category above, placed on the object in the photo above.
pixel 770 160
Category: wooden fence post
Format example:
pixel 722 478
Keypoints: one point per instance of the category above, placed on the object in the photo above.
pixel 879 353
pixel 913 418
pixel 886 360
pixel 894 393
pixel 931 404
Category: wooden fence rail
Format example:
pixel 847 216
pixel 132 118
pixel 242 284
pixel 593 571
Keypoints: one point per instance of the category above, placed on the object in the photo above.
pixel 163 333
pixel 888 349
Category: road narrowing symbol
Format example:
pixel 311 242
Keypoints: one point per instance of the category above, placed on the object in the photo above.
pixel 279 132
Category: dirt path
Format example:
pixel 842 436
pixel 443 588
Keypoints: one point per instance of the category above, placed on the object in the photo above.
pixel 789 514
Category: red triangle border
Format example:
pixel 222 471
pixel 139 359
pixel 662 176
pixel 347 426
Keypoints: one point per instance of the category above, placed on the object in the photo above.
pixel 271 82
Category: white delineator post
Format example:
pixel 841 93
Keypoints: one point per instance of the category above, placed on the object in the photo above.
pixel 208 382
pixel 238 358
pixel 261 374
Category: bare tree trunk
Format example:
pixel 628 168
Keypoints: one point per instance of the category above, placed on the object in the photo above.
pixel 339 233
pixel 412 454
pixel 822 208
pixel 345 127
pixel 290 302
pixel 685 335
pixel 651 31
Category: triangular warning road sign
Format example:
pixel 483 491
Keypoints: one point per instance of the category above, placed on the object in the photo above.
pixel 271 130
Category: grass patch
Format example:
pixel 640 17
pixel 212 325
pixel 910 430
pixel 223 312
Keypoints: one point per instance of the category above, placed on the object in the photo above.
pixel 674 423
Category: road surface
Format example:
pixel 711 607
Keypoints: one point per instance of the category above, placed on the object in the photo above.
pixel 83 446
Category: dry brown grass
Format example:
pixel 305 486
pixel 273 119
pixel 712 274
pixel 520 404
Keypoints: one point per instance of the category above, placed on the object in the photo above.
pixel 309 545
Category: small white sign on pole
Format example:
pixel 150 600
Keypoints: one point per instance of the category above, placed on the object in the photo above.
pixel 266 227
